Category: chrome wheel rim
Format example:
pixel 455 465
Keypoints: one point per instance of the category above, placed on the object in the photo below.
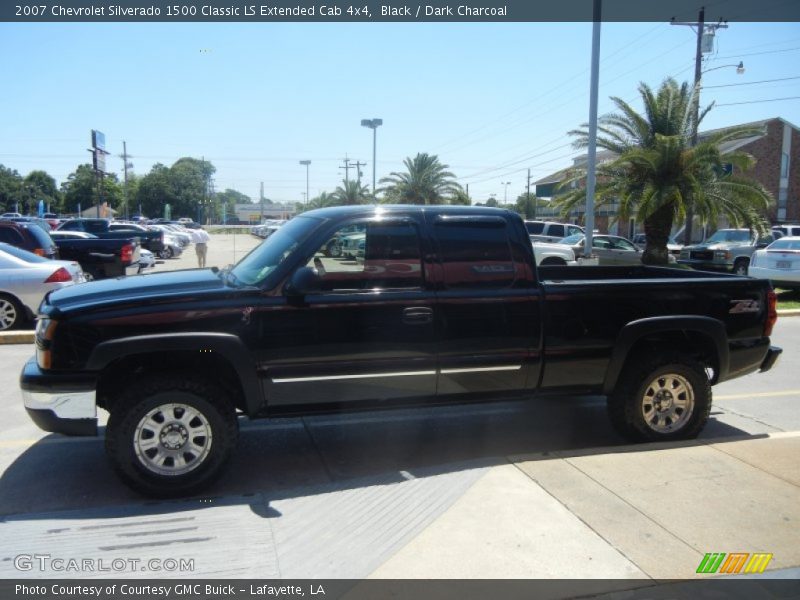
pixel 667 403
pixel 172 439
pixel 8 314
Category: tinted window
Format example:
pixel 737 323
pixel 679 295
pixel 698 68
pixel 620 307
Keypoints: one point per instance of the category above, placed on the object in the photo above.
pixel 556 230
pixel 534 228
pixel 43 239
pixel 475 253
pixel 386 255
pixel 23 254
pixel 7 234
pixel 572 230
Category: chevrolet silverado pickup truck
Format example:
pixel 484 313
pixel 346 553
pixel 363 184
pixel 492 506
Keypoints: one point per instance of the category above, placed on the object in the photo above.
pixel 100 259
pixel 446 306
pixel 102 228
pixel 727 250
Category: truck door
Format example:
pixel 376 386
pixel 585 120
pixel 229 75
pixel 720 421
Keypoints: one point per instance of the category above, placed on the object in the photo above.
pixel 488 307
pixel 367 333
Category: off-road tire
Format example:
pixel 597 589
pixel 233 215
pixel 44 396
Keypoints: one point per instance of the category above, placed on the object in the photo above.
pixel 628 403
pixel 553 261
pixel 129 412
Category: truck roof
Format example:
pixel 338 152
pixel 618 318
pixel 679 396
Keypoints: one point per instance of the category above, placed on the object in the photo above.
pixel 360 209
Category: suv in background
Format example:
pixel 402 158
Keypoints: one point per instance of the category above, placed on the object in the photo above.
pixel 727 250
pixel 550 231
pixel 28 236
pixel 793 230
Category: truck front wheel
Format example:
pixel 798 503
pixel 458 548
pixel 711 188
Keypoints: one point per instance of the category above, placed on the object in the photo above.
pixel 170 436
pixel 661 397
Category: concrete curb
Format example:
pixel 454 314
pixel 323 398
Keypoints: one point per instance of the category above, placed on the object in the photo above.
pixel 27 337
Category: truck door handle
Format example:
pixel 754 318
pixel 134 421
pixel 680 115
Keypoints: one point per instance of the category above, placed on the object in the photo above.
pixel 417 315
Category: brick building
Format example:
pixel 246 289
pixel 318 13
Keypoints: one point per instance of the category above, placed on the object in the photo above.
pixel 777 168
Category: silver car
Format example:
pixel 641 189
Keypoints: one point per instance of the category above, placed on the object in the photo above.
pixel 24 280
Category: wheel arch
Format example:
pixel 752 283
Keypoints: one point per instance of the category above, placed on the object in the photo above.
pixel 706 337
pixel 221 354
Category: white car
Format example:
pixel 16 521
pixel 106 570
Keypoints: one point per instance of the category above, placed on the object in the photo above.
pixel 779 262
pixel 24 280
pixel 172 247
pixel 552 254
pixel 147 260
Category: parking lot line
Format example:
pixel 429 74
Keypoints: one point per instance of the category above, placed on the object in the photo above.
pixel 759 395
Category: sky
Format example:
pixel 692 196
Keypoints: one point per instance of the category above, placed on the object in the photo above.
pixel 491 100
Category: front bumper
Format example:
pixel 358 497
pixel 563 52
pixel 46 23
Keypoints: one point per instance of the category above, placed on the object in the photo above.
pixel 59 404
pixel 704 265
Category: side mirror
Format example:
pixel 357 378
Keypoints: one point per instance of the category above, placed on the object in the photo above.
pixel 304 281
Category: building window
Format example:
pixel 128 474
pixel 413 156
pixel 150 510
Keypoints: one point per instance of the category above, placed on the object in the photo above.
pixel 784 165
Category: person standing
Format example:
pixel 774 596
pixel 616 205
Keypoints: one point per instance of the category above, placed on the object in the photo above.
pixel 200 238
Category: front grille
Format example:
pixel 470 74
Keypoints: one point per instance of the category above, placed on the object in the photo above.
pixel 702 255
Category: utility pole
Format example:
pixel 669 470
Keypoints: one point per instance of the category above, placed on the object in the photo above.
pixel 347 168
pixel 261 200
pixel 528 198
pixel 125 156
pixel 358 170
pixel 702 30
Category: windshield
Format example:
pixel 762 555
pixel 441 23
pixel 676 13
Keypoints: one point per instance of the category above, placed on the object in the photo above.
pixel 22 254
pixel 572 240
pixel 785 244
pixel 254 268
pixel 730 235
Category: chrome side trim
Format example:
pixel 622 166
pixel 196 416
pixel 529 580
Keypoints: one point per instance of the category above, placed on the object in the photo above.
pixel 65 405
pixel 359 376
pixel 481 369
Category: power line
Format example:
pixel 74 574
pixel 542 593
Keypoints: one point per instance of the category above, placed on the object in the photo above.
pixel 759 101
pixel 708 87
pixel 759 53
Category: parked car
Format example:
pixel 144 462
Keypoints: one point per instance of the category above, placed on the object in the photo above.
pixel 779 262
pixel 610 249
pixel 10 215
pixel 792 230
pixel 550 231
pixel 448 307
pixel 28 236
pixel 727 250
pixel 24 280
pixel 171 247
pixel 673 247
pixel 102 229
pixel 552 254
pixel 183 239
pixel 99 258
pixel 147 260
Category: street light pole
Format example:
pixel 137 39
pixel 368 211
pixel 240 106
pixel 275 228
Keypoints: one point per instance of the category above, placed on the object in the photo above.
pixel 373 124
pixel 306 163
pixel 505 185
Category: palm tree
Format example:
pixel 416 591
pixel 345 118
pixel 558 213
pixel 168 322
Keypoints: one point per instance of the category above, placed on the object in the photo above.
pixel 426 181
pixel 658 174
pixel 351 192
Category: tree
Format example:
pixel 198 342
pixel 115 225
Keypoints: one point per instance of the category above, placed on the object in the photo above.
pixel 39 185
pixel 81 188
pixel 657 174
pixel 351 192
pixel 189 178
pixel 527 205
pixel 461 197
pixel 10 185
pixel 154 191
pixel 426 181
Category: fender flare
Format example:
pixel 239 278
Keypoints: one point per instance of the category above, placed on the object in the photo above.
pixel 226 345
pixel 636 330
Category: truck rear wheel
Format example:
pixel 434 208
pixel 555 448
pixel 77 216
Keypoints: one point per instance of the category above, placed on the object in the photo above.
pixel 170 436
pixel 661 397
pixel 741 266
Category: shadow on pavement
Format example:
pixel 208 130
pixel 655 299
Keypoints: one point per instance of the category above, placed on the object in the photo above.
pixel 302 457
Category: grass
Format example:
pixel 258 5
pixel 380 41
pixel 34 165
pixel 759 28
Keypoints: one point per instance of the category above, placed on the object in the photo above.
pixel 788 299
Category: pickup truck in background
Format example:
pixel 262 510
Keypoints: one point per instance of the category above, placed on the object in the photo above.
pixel 727 250
pixel 102 228
pixel 447 306
pixel 100 259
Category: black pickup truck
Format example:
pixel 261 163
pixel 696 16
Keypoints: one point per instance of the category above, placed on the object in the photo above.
pixel 105 229
pixel 445 306
pixel 99 259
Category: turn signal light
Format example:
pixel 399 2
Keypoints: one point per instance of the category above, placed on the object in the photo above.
pixel 127 253
pixel 39 252
pixel 60 276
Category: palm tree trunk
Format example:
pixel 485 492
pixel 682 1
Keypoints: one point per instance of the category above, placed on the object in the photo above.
pixel 657 228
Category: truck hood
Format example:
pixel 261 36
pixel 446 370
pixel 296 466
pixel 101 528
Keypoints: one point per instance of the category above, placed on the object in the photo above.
pixel 717 246
pixel 168 286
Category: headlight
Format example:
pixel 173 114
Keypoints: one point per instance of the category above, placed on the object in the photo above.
pixel 722 254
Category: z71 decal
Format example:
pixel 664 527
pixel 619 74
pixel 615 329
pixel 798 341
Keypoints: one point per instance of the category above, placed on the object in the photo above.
pixel 744 306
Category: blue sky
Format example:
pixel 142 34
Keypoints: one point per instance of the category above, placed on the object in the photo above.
pixel 490 99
